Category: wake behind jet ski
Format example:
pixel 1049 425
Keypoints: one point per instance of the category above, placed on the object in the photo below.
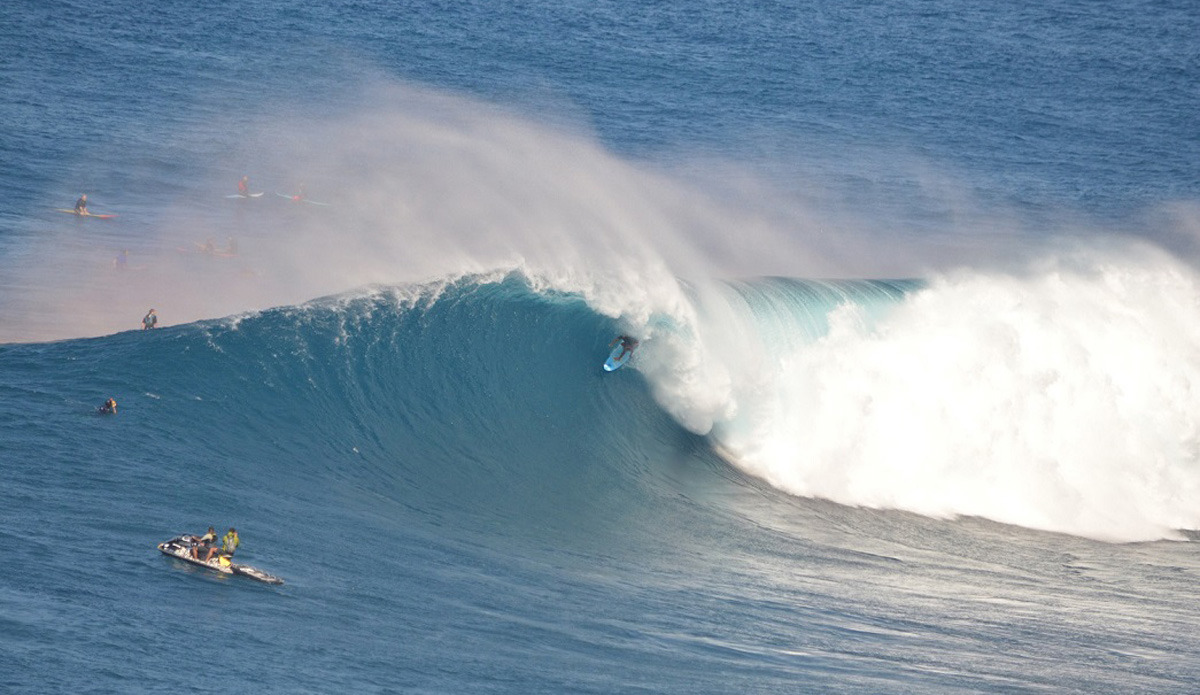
pixel 181 547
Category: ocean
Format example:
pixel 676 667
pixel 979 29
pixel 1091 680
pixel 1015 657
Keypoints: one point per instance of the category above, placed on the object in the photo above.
pixel 914 408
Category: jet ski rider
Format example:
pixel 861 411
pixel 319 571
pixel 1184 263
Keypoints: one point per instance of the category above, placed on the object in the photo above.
pixel 207 541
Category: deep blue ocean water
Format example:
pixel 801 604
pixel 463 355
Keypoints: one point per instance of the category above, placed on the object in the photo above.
pixel 914 409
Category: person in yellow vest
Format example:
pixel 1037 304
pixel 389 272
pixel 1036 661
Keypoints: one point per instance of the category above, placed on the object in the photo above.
pixel 229 544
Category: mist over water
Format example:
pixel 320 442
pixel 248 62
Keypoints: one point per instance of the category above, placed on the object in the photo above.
pixel 416 184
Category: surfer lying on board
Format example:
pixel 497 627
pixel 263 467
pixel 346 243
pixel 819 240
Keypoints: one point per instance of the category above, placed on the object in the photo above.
pixel 81 205
pixel 628 344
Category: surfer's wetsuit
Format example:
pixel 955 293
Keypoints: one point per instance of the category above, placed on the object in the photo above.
pixel 81 206
pixel 627 344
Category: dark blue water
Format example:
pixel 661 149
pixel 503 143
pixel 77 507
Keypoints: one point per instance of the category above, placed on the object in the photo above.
pixel 972 479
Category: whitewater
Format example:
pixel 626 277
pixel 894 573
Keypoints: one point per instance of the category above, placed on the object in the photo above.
pixel 914 407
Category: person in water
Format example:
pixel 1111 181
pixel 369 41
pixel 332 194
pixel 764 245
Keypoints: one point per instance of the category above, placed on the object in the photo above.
pixel 244 187
pixel 121 262
pixel 229 544
pixel 81 205
pixel 628 344
pixel 109 407
pixel 150 320
pixel 207 541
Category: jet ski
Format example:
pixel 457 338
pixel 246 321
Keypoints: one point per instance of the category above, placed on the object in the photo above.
pixel 180 547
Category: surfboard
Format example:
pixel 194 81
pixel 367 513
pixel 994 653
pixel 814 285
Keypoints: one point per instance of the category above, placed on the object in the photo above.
pixel 90 214
pixel 250 195
pixel 215 252
pixel 612 364
pixel 298 199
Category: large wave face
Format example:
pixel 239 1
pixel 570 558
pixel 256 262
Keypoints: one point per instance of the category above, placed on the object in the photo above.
pixel 1060 399
pixel 480 399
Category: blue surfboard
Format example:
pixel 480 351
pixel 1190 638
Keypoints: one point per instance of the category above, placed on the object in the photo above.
pixel 612 363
